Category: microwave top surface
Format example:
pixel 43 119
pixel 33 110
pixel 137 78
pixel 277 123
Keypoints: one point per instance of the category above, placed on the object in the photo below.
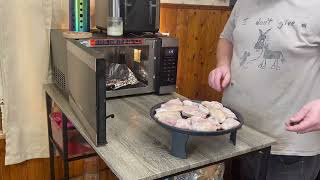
pixel 99 43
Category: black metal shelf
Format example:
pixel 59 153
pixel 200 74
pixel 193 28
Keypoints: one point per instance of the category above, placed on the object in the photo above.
pixel 64 150
pixel 74 157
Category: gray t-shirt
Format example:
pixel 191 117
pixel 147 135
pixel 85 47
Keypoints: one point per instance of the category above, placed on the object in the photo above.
pixel 275 67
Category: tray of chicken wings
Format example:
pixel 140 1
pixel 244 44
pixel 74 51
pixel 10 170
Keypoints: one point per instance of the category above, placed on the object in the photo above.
pixel 196 118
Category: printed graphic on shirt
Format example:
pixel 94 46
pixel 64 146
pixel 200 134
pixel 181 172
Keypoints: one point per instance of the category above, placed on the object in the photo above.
pixel 261 40
pixel 265 54
pixel 244 58
pixel 262 55
pixel 270 55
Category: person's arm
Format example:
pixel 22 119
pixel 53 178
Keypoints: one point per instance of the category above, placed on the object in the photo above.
pixel 224 52
pixel 306 120
pixel 219 78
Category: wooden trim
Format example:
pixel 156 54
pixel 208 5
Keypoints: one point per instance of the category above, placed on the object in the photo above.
pixel 2 135
pixel 192 6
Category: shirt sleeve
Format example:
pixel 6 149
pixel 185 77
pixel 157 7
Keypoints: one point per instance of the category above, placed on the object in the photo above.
pixel 227 32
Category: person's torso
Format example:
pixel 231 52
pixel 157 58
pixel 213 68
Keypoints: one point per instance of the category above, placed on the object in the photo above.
pixel 275 65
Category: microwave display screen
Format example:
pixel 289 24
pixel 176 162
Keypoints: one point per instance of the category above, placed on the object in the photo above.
pixel 169 52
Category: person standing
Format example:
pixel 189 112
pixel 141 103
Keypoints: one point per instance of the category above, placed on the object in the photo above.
pixel 268 65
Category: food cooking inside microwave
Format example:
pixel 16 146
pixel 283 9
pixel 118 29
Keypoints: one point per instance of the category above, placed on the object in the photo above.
pixel 140 72
pixel 118 76
pixel 204 116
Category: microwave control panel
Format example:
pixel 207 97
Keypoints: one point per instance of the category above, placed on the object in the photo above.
pixel 168 66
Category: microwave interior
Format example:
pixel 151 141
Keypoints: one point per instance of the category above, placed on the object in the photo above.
pixel 127 67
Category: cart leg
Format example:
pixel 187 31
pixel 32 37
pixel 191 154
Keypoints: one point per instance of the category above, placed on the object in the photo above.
pixel 51 146
pixel 233 137
pixel 179 145
pixel 264 163
pixel 65 146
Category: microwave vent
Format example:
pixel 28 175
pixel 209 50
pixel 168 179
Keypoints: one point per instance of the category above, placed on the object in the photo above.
pixel 60 79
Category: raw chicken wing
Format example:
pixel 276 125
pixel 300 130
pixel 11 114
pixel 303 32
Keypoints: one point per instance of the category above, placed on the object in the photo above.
pixel 168 121
pixel 192 111
pixel 204 126
pixel 190 103
pixel 170 107
pixel 203 109
pixel 183 124
pixel 228 113
pixel 212 104
pixel 218 114
pixel 229 123
pixel 174 101
pixel 213 121
pixel 197 119
pixel 167 115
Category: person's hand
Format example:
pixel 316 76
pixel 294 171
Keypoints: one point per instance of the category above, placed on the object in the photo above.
pixel 219 78
pixel 306 120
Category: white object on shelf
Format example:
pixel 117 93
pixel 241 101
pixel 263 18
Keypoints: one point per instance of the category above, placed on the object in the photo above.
pixel 115 26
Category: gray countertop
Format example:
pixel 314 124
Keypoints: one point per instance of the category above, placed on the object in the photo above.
pixel 138 147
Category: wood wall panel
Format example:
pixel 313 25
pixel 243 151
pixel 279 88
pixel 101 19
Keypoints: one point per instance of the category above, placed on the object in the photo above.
pixel 39 169
pixel 198 31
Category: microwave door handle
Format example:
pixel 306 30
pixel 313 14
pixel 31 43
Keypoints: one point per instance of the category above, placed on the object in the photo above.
pixel 151 6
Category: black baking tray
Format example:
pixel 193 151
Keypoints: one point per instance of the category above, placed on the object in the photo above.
pixel 180 136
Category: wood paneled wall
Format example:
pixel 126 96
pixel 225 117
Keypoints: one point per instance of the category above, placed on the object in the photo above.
pixel 198 29
pixel 39 169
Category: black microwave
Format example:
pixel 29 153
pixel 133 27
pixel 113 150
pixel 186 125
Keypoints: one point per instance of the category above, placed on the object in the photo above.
pixel 90 72
pixel 138 15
